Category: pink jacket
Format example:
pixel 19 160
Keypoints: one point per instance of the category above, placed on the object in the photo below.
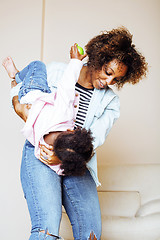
pixel 54 111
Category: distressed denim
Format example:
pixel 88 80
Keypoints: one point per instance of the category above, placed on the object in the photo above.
pixel 45 192
pixel 33 77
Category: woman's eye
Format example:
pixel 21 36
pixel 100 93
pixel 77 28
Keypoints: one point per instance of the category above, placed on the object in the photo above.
pixel 107 73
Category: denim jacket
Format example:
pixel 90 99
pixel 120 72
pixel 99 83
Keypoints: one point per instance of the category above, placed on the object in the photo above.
pixel 103 111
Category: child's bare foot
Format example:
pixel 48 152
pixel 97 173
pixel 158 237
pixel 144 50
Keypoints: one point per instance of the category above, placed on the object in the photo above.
pixel 10 67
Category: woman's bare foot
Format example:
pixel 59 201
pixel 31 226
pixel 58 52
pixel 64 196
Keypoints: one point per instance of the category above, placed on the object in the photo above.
pixel 10 67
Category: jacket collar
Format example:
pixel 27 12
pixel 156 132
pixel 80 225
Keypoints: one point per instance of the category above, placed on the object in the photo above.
pixel 96 102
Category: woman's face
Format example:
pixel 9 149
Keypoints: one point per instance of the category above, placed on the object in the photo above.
pixel 111 73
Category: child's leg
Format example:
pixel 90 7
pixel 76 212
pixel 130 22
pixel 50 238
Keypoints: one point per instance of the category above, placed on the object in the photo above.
pixel 20 76
pixel 13 72
pixel 34 78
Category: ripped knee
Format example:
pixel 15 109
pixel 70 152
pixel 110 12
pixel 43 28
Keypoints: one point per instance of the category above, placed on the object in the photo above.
pixel 46 233
pixel 92 236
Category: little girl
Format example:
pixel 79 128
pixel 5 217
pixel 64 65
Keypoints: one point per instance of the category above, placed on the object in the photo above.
pixel 52 116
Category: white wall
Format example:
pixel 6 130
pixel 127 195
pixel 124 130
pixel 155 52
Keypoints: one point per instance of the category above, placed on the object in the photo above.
pixel 20 28
pixel 134 138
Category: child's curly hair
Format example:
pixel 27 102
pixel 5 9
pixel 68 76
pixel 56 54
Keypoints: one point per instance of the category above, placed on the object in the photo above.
pixel 116 44
pixel 74 149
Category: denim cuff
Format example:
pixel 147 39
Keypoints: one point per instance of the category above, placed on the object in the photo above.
pixel 18 80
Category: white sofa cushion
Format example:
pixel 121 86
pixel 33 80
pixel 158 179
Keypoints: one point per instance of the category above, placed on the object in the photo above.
pixel 141 228
pixel 122 204
pixel 149 208
pixel 141 178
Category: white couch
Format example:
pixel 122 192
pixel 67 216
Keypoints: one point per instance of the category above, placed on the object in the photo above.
pixel 130 203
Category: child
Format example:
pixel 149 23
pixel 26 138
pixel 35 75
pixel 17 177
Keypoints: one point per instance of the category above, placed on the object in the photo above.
pixel 53 114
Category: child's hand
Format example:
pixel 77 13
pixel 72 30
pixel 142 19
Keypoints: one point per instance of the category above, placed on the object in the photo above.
pixel 74 53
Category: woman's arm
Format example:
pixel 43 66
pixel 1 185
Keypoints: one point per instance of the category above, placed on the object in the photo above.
pixel 47 155
pixel 22 110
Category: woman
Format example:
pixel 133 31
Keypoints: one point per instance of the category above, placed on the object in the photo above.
pixel 112 59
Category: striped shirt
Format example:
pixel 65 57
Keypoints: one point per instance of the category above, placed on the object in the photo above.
pixel 85 98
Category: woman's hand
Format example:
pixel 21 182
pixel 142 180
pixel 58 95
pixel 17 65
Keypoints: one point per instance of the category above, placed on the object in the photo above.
pixel 74 53
pixel 21 109
pixel 47 155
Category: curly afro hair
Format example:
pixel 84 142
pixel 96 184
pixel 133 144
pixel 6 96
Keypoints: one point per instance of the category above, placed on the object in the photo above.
pixel 116 44
pixel 74 149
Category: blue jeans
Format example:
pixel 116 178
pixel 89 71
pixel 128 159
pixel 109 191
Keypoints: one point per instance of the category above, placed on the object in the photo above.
pixel 46 192
pixel 33 77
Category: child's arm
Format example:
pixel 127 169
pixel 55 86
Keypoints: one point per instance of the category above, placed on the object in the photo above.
pixel 74 53
pixel 66 86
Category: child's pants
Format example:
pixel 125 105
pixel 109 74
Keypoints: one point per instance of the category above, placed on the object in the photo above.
pixel 33 77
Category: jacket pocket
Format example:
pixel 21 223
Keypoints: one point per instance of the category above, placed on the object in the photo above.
pixel 100 111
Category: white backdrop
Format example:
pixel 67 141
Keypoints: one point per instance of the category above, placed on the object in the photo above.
pixel 134 138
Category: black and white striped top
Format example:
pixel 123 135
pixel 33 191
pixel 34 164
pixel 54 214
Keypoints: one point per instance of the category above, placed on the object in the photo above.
pixel 85 98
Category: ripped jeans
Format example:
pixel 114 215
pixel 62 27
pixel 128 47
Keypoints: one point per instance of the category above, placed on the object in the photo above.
pixel 46 192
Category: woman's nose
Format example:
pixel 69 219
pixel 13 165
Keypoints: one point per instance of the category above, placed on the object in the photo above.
pixel 109 80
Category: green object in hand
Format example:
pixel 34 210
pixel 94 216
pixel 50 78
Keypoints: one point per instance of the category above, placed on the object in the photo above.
pixel 80 50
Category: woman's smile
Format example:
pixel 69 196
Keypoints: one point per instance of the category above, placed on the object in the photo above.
pixel 101 85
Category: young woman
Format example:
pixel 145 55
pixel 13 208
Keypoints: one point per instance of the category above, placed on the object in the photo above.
pixel 112 59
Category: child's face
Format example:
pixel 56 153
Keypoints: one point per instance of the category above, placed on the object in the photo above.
pixel 51 137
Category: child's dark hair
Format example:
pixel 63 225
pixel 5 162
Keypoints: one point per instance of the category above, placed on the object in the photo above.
pixel 116 44
pixel 74 149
